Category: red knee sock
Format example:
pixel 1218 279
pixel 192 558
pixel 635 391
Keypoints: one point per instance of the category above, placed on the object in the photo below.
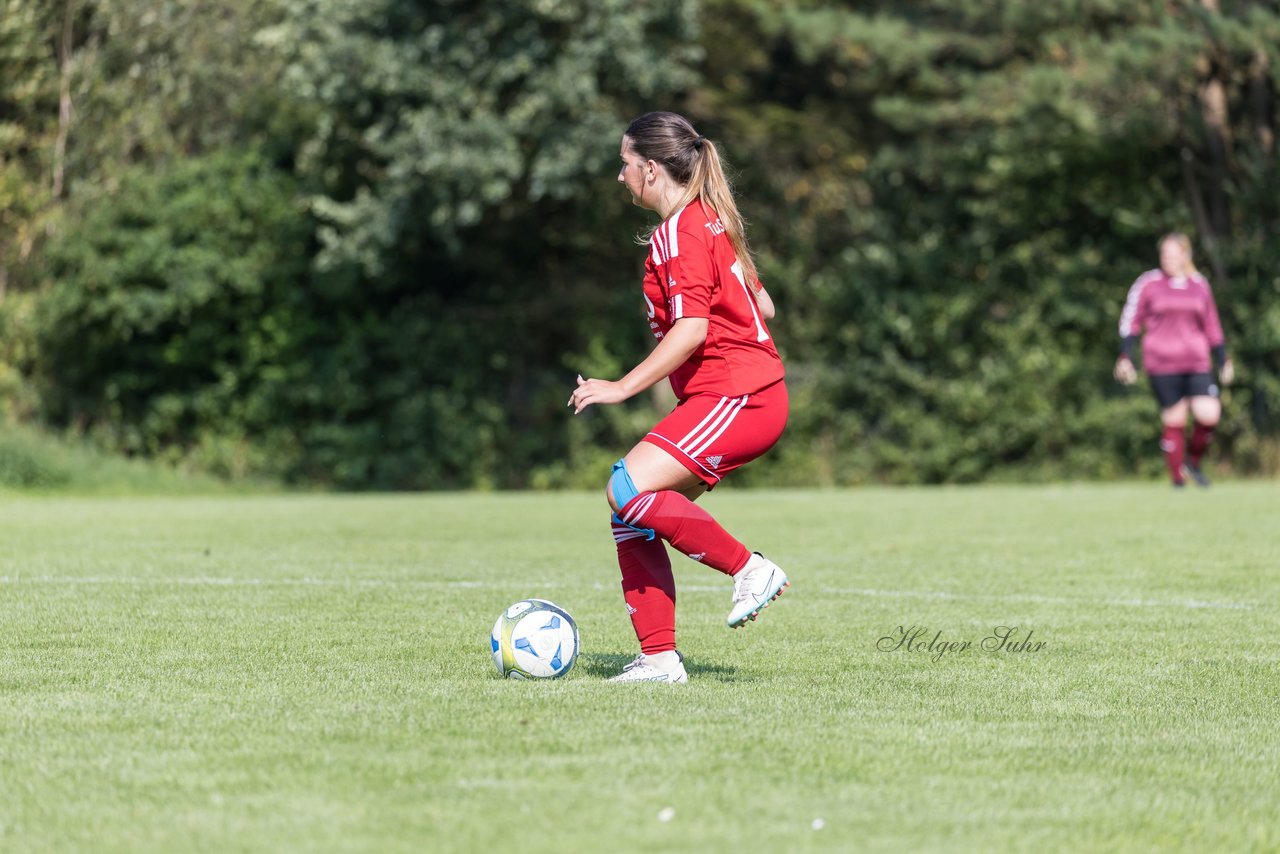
pixel 649 588
pixel 1201 436
pixel 1173 444
pixel 688 528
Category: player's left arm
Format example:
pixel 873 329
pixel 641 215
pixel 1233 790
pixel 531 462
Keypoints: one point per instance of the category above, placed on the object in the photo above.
pixel 765 303
pixel 675 348
pixel 1217 341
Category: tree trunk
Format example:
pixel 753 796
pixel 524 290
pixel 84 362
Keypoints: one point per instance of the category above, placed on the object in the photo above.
pixel 64 99
pixel 1203 226
pixel 1213 208
pixel 1213 110
pixel 1260 98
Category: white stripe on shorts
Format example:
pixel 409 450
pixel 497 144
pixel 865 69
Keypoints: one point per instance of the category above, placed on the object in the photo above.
pixel 712 415
pixel 710 428
pixel 724 425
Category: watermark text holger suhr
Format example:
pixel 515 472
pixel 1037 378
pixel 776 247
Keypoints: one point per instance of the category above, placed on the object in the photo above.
pixel 919 639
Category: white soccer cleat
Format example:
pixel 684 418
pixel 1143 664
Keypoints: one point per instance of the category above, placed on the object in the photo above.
pixel 667 667
pixel 754 587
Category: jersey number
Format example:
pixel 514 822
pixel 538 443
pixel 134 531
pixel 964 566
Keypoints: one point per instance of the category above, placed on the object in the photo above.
pixel 761 334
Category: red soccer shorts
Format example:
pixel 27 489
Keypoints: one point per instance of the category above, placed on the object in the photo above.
pixel 712 435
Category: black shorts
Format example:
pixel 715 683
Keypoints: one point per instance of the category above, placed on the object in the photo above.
pixel 1171 388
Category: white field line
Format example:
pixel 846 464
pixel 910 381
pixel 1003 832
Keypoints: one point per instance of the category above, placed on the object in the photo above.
pixel 306 581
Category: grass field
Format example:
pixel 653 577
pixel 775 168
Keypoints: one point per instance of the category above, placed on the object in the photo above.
pixel 285 673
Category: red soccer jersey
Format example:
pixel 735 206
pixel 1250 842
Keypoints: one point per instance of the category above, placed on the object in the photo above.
pixel 692 271
pixel 1179 319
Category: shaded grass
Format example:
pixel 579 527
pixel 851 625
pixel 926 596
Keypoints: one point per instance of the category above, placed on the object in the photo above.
pixel 311 673
pixel 33 462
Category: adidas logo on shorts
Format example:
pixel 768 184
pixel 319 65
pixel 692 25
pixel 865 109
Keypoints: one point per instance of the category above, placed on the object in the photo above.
pixel 714 462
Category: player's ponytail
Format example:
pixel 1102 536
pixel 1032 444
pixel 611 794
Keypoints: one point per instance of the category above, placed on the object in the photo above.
pixel 694 162
pixel 716 193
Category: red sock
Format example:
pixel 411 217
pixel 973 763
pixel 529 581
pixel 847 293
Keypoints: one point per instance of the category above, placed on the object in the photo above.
pixel 1173 444
pixel 689 528
pixel 649 588
pixel 1201 436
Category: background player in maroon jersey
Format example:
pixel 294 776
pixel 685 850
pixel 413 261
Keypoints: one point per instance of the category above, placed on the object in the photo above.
pixel 708 311
pixel 1172 308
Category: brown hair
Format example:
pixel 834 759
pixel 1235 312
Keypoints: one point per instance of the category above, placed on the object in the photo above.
pixel 694 163
pixel 1184 241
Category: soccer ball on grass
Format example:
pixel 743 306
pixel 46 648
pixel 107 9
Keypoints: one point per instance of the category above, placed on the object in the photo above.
pixel 534 639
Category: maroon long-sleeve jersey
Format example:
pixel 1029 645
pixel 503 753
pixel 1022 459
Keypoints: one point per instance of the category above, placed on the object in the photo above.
pixel 1177 319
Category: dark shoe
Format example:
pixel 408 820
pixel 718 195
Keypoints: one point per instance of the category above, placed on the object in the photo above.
pixel 1193 471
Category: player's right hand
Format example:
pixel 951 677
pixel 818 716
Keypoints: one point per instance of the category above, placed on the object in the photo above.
pixel 1125 373
pixel 1227 374
pixel 595 391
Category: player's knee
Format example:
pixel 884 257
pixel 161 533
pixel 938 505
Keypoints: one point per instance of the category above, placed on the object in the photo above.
pixel 620 492
pixel 1207 411
pixel 621 488
pixel 608 497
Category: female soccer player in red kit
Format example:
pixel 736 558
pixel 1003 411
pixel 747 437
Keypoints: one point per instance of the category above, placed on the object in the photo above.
pixel 1173 305
pixel 707 310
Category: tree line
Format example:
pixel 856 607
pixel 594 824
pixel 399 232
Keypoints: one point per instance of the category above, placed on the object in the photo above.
pixel 369 243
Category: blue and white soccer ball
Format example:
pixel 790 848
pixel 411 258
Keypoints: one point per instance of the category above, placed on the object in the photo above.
pixel 534 639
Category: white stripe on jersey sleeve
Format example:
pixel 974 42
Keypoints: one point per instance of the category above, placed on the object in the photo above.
pixel 677 307
pixel 1131 302
pixel 673 237
pixel 659 242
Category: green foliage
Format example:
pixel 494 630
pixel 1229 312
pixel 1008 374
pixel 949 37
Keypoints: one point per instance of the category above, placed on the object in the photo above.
pixel 370 243
pixel 170 320
pixel 24 466
pixel 160 80
pixel 19 400
pixel 988 194
pixel 462 186
pixel 441 122
pixel 28 128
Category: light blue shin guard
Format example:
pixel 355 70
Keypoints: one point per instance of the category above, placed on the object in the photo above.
pixel 624 490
